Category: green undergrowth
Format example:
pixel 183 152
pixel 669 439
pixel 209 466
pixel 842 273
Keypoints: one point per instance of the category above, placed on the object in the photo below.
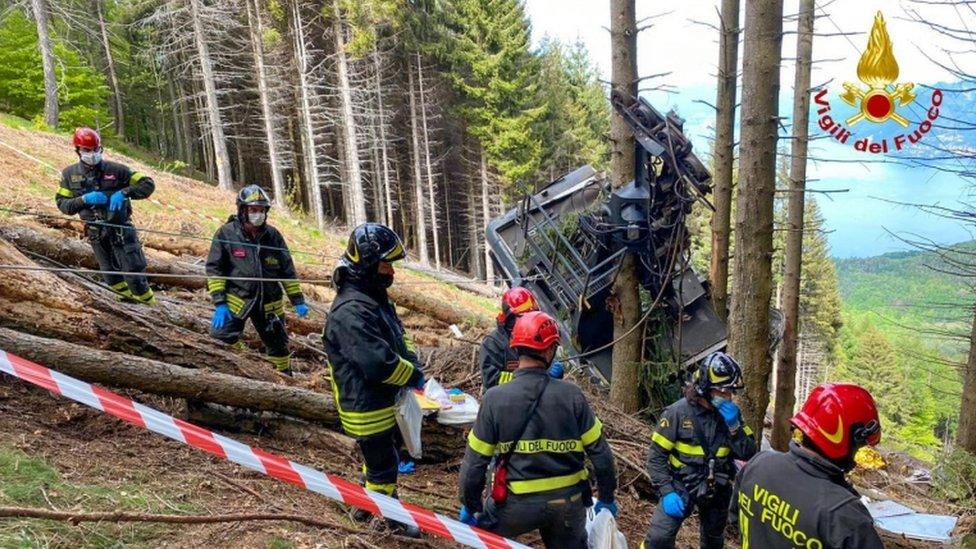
pixel 28 481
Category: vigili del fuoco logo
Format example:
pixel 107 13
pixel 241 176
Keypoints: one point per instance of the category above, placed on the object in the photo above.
pixel 880 101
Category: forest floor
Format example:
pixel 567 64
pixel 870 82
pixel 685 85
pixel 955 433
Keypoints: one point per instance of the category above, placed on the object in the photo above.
pixel 55 454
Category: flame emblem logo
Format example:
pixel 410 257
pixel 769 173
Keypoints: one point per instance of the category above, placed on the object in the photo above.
pixel 878 68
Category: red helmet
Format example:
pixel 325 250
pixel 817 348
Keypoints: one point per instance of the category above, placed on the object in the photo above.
pixel 516 301
pixel 839 418
pixel 535 330
pixel 87 138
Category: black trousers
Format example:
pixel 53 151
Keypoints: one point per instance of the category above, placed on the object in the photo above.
pixel 713 514
pixel 380 460
pixel 270 327
pixel 558 515
pixel 119 249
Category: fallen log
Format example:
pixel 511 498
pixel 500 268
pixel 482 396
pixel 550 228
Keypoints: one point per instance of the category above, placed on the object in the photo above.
pixel 152 376
pixel 441 442
pixel 44 304
pixel 405 295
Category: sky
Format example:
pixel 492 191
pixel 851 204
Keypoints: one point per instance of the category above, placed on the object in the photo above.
pixel 863 220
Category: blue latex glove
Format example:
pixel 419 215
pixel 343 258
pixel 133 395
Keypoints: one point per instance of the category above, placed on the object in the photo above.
pixel 731 415
pixel 467 517
pixel 420 382
pixel 406 467
pixel 117 201
pixel 221 316
pixel 601 505
pixel 673 505
pixel 94 198
pixel 557 370
pixel 301 310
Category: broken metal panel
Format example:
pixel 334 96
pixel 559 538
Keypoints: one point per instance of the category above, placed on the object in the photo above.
pixel 566 243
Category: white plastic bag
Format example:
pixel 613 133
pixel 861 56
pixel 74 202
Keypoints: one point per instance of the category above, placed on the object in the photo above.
pixel 601 531
pixel 410 419
pixel 451 412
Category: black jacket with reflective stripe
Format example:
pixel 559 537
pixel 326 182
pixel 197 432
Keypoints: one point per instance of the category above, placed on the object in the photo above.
pixel 108 177
pixel 799 499
pixel 677 459
pixel 549 456
pixel 498 361
pixel 371 358
pixel 233 253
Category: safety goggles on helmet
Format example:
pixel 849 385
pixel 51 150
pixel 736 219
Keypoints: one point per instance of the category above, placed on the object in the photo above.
pixel 371 243
pixel 718 371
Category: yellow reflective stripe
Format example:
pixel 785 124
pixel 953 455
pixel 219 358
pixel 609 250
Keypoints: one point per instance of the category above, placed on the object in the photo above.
pixel 505 377
pixel 662 441
pixel 593 434
pixel 401 374
pixel 136 177
pixel 723 451
pixel 147 297
pixel 689 449
pixel 546 484
pixel 747 430
pixel 408 343
pixel 292 287
pixel 543 445
pixel 361 424
pixel 280 362
pixel 66 192
pixel 235 303
pixel 480 446
pixel 384 488
pixel 675 462
pixel 216 284
pixel 277 307
pixel 120 286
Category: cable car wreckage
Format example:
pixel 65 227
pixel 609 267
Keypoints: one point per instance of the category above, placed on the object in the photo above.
pixel 567 242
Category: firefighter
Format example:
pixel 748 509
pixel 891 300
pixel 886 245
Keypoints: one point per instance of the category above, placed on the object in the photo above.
pixel 371 357
pixel 99 191
pixel 497 359
pixel 536 430
pixel 692 452
pixel 247 247
pixel 800 498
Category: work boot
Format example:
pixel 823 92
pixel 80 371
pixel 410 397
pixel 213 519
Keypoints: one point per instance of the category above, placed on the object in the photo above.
pixel 401 529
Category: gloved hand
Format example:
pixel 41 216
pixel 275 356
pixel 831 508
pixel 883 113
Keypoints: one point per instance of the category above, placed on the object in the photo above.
pixel 94 198
pixel 117 201
pixel 301 310
pixel 421 381
pixel 467 517
pixel 406 467
pixel 557 370
pixel 221 316
pixel 673 505
pixel 601 505
pixel 731 415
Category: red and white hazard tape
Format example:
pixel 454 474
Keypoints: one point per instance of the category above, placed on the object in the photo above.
pixel 253 458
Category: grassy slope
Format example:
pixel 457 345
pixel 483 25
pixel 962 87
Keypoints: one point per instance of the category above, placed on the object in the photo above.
pixel 30 185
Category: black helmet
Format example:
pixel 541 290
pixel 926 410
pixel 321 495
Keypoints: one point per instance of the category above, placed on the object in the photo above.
pixel 253 195
pixel 718 371
pixel 371 243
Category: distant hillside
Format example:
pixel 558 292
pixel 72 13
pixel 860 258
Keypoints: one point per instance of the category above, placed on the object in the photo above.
pixel 904 286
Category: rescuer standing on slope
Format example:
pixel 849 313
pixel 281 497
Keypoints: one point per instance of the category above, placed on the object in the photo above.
pixel 537 429
pixel 99 192
pixel 497 358
pixel 371 358
pixel 246 247
pixel 800 498
pixel 692 452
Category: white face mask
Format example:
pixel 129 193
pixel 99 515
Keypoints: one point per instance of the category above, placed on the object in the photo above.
pixel 257 219
pixel 91 158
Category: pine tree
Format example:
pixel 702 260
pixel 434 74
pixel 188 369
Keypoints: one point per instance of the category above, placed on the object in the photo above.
pixel 496 76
